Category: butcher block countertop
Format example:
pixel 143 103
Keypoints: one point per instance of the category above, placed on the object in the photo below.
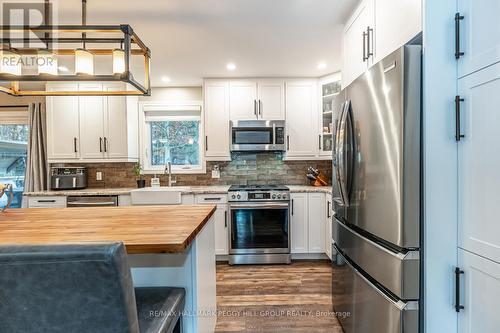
pixel 143 229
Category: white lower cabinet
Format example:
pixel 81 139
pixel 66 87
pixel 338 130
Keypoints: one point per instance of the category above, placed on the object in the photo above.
pixel 328 225
pixel 480 292
pixel 220 220
pixel 307 223
pixel 298 222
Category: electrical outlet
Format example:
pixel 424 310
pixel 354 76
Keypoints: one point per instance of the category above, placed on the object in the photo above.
pixel 98 175
pixel 216 174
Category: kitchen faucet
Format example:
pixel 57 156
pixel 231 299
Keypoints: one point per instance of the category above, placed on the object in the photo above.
pixel 168 169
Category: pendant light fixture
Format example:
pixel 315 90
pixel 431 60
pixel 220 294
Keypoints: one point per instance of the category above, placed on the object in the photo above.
pixel 10 63
pixel 118 43
pixel 84 60
pixel 118 61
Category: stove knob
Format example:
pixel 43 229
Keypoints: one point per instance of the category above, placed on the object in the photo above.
pixel 238 196
pixel 233 196
pixel 279 196
pixel 284 196
pixel 274 196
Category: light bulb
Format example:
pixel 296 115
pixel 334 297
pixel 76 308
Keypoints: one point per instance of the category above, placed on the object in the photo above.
pixel 47 63
pixel 84 62
pixel 10 63
pixel 118 61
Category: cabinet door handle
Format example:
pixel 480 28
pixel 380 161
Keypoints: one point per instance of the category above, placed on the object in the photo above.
pixel 225 219
pixel 328 209
pixel 458 134
pixel 369 47
pixel 288 142
pixel 206 142
pixel 458 18
pixel 255 107
pixel 260 108
pixel 105 144
pixel 364 47
pixel 100 145
pixel 319 142
pixel 74 145
pixel 458 306
pixel 291 203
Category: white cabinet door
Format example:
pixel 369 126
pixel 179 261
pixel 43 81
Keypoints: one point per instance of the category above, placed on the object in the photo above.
pixel 221 231
pixel 355 44
pixel 63 131
pixel 480 292
pixel 317 217
pixel 271 99
pixel 328 225
pixel 115 124
pixel 216 94
pixel 480 34
pixel 479 164
pixel 396 23
pixel 298 222
pixel 91 123
pixel 301 119
pixel 243 99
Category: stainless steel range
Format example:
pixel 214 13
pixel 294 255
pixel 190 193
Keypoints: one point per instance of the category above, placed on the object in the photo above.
pixel 259 230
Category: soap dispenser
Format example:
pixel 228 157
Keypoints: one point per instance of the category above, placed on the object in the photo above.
pixel 155 181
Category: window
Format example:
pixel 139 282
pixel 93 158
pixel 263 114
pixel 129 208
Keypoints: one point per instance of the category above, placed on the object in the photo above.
pixel 172 134
pixel 13 153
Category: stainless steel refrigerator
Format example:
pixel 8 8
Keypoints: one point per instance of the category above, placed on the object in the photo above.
pixel 376 190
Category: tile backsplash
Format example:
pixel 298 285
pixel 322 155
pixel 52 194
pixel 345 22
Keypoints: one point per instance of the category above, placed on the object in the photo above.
pixel 244 168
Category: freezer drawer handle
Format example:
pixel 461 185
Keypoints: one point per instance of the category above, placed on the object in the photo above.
pixel 458 272
pixel 458 53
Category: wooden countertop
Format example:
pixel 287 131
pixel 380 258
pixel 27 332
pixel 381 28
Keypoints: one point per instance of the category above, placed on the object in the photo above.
pixel 143 229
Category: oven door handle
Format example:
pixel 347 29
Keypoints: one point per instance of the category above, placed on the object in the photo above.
pixel 259 205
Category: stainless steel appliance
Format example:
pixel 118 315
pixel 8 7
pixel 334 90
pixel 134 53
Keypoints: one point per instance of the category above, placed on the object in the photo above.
pixel 71 178
pixel 259 228
pixel 257 135
pixel 92 201
pixel 376 190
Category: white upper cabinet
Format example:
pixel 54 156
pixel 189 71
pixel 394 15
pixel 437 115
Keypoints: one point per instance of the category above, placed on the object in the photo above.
pixel 243 99
pixel 216 96
pixel 257 99
pixel 271 99
pixel 358 30
pixel 375 29
pixel 479 35
pixel 396 23
pixel 91 123
pixel 98 128
pixel 63 131
pixel 303 141
pixel 479 163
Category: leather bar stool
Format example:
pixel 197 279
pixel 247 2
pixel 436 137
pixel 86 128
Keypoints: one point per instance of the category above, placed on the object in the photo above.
pixel 80 289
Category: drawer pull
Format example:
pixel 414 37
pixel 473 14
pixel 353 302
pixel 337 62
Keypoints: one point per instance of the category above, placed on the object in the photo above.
pixel 46 201
pixel 212 199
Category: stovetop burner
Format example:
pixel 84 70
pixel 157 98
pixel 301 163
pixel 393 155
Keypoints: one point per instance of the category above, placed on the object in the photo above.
pixel 258 188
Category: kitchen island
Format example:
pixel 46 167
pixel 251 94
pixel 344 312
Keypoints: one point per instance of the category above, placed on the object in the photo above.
pixel 167 245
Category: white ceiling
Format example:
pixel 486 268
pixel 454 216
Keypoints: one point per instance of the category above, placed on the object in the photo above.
pixel 193 39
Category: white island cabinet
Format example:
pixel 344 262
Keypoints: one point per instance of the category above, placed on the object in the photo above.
pixel 193 270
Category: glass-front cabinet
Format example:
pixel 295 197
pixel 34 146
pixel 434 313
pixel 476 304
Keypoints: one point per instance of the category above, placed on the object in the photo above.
pixel 330 87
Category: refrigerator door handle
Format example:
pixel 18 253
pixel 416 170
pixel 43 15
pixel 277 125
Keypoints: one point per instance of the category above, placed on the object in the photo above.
pixel 339 155
pixel 349 151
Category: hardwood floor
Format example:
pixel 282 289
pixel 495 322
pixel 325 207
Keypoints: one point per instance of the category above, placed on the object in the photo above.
pixel 292 298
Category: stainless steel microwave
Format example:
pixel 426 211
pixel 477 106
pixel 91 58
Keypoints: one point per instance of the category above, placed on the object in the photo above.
pixel 257 135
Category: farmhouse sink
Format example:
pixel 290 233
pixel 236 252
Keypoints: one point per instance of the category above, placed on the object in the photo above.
pixel 157 195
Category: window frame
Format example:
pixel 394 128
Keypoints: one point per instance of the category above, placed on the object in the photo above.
pixel 145 133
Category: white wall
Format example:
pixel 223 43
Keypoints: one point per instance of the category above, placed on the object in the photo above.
pixel 440 166
pixel 174 94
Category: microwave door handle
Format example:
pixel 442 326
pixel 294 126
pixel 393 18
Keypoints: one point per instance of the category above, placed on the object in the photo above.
pixel 274 134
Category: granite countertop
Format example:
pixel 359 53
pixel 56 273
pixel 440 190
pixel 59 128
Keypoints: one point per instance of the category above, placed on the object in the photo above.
pixel 216 189
pixel 143 229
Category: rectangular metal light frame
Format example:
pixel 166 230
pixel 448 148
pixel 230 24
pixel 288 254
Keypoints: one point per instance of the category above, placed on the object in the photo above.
pixel 129 39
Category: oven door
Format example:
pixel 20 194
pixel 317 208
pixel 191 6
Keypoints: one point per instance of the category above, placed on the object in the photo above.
pixel 259 227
